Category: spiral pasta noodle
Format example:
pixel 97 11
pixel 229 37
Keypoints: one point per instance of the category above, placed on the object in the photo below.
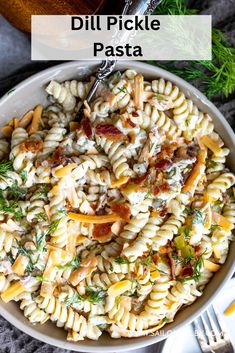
pixel 115 223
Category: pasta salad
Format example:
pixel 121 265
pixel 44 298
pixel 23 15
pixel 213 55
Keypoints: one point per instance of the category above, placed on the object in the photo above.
pixel 115 223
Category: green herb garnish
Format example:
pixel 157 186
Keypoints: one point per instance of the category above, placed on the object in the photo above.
pixel 123 90
pixel 215 77
pixel 16 192
pixel 95 295
pixel 75 263
pixel 6 166
pixel 198 217
pixel 53 226
pixel 42 191
pixel 197 267
pixel 42 279
pixel 11 207
pixel 63 212
pixel 121 261
pixel 75 299
pixel 41 216
pixel 24 175
pixel 210 164
pixel 214 227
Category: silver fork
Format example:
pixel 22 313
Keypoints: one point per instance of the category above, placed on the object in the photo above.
pixel 211 333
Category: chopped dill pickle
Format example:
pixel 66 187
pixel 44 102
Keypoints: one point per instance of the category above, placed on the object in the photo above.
pixel 188 252
pixel 179 242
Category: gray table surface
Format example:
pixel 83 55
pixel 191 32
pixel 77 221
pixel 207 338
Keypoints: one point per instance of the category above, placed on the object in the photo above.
pixel 15 65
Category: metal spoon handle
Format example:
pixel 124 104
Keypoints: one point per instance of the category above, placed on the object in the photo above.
pixel 131 7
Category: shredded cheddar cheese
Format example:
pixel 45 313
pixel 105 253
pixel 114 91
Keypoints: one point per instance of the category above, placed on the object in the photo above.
pixel 13 291
pixel 119 288
pixel 230 309
pixel 196 174
pixel 212 145
pixel 110 218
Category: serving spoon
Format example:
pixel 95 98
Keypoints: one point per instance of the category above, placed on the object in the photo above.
pixel 131 7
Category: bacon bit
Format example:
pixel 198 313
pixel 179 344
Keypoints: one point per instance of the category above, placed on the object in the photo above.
pixel 155 258
pixel 197 249
pixel 73 126
pixel 167 151
pixel 110 131
pixel 58 158
pixel 102 232
pixel 135 114
pixel 123 210
pixel 129 122
pixel 163 164
pixel 172 264
pixel 163 212
pixel 156 190
pixel 165 186
pixel 33 146
pixel 86 125
pixel 187 272
pixel 132 137
pixel 139 180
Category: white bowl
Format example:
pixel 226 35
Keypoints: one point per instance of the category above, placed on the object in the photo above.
pixel 31 92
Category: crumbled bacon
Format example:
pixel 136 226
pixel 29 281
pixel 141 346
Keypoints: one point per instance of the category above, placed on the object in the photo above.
pixel 155 258
pixel 73 126
pixel 167 151
pixel 135 114
pixel 33 146
pixel 102 232
pixel 110 131
pixel 86 125
pixel 163 212
pixel 187 272
pixel 58 157
pixel 156 190
pixel 164 164
pixel 129 122
pixel 165 186
pixel 140 179
pixel 123 210
pixel 172 264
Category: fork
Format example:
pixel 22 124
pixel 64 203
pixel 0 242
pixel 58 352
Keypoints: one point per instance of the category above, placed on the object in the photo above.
pixel 211 333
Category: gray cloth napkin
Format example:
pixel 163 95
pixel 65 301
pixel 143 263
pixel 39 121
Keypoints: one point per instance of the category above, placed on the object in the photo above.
pixel 15 66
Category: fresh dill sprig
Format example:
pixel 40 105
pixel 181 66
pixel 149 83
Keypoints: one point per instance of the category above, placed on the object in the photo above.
pixel 24 175
pixel 175 7
pixel 5 166
pixel 95 295
pixel 197 267
pixel 10 207
pixel 216 77
pixel 41 216
pixel 75 299
pixel 53 226
pixel 16 192
pixel 42 279
pixel 121 260
pixel 74 264
pixel 42 191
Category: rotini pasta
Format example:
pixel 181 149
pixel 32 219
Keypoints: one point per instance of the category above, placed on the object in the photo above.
pixel 116 223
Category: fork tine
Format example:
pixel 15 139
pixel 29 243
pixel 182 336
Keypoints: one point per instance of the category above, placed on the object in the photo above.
pixel 201 337
pixel 207 330
pixel 215 332
pixel 221 324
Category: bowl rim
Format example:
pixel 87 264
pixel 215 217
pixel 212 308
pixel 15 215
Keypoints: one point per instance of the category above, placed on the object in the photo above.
pixel 32 330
